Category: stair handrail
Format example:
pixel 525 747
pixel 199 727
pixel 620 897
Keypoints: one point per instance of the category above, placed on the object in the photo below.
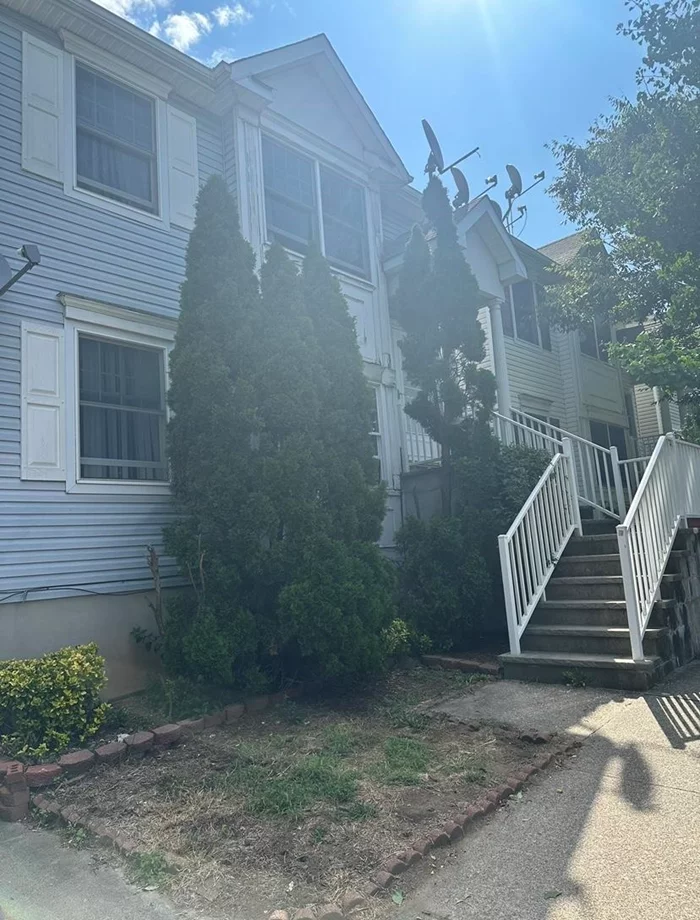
pixel 532 545
pixel 597 467
pixel 668 492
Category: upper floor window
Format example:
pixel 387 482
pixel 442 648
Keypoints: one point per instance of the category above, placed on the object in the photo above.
pixel 115 140
pixel 595 338
pixel 520 319
pixel 303 203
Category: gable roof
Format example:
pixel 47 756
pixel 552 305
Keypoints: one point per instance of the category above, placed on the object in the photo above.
pixel 319 49
pixel 565 250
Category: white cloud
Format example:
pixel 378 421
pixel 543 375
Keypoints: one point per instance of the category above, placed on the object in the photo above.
pixel 232 15
pixel 133 10
pixel 183 30
pixel 220 54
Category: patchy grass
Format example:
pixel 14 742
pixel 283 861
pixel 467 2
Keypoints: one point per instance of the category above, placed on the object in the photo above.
pixel 150 871
pixel 299 802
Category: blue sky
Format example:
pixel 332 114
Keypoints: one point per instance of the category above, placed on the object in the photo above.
pixel 507 75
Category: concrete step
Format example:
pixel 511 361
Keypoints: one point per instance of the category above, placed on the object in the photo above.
pixel 599 587
pixel 592 670
pixel 602 564
pixel 590 613
pixel 593 545
pixel 600 526
pixel 593 640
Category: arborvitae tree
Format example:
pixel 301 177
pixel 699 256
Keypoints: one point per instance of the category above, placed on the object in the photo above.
pixel 438 303
pixel 353 497
pixel 271 511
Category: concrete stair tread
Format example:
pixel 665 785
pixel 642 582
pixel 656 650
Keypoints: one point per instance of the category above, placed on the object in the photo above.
pixel 603 631
pixel 592 579
pixel 569 660
pixel 591 560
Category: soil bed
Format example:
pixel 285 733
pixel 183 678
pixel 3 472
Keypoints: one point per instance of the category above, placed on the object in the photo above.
pixel 305 800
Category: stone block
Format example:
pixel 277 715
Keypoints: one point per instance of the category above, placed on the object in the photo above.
pixel 353 900
pixel 234 712
pixel 257 703
pixel 76 762
pixel 214 719
pixel 111 753
pixel 139 742
pixel 42 774
pixel 166 735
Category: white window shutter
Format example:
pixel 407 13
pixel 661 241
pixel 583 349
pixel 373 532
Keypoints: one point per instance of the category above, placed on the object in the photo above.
pixel 42 108
pixel 183 180
pixel 43 428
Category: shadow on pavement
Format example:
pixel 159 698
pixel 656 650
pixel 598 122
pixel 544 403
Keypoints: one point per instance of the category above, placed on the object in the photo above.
pixel 678 716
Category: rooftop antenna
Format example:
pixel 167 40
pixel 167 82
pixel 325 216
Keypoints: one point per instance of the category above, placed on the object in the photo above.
pixel 516 190
pixel 436 161
pixel 462 197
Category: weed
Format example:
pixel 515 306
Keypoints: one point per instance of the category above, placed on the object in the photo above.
pixel 319 834
pixel 404 760
pixel 574 678
pixel 75 837
pixel 292 713
pixel 356 811
pixel 403 717
pixel 339 740
pixel 150 870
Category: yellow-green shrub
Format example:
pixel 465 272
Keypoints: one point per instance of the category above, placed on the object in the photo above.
pixel 48 703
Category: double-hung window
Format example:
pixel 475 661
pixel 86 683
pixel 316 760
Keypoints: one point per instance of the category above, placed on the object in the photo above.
pixel 116 153
pixel 121 410
pixel 520 317
pixel 595 338
pixel 305 202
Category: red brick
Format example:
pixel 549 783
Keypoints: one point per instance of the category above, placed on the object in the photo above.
pixel 11 766
pixel 13 796
pixel 13 812
pixel 543 761
pixel 111 753
pixel 382 879
pixel 77 762
pixel 329 912
pixel 40 801
pixel 423 846
pixel 453 830
pixel 139 742
pixel 306 913
pixel 371 889
pixel 165 735
pixel 42 774
pixel 474 811
pixel 411 857
pixel 394 866
pixel 505 791
pixel 192 726
pixel 439 838
pixel 234 712
pixel 279 915
pixel 14 773
pixel 257 703
pixel 214 719
pixel 486 806
pixel 70 814
pixel 352 900
pixel 514 783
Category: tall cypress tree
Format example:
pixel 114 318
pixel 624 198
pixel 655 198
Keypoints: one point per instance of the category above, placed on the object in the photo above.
pixel 354 499
pixel 438 305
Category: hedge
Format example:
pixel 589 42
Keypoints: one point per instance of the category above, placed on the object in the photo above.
pixel 49 703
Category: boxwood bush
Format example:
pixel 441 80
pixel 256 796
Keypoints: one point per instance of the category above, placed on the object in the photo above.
pixel 49 703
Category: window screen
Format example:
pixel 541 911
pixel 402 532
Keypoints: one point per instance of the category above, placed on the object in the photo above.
pixel 524 309
pixel 115 140
pixel 290 202
pixel 122 411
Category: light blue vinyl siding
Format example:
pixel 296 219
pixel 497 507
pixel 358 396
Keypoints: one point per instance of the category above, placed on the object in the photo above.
pixel 50 539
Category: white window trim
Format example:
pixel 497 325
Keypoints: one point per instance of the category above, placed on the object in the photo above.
pixel 122 326
pixel 131 78
pixel 286 139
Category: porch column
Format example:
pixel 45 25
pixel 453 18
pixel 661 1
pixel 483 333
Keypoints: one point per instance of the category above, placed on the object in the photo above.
pixel 500 368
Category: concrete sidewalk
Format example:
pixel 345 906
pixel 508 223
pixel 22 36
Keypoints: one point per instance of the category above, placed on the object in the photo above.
pixel 42 880
pixel 612 834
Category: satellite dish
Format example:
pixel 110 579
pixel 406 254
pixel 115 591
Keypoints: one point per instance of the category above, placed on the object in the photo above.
pixel 462 196
pixel 516 183
pixel 5 272
pixel 435 160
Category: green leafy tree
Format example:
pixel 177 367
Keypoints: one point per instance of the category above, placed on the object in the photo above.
pixel 634 184
pixel 437 303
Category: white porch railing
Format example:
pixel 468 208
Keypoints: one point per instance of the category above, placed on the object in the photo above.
pixel 529 551
pixel 668 492
pixel 597 468
pixel 631 472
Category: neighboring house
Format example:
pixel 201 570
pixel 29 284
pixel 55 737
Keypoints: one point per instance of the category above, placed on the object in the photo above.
pixel 106 134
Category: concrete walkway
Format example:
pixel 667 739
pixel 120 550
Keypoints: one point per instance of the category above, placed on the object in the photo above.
pixel 42 880
pixel 614 833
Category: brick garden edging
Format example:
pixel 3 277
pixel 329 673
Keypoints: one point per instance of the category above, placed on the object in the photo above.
pixel 17 780
pixel 451 831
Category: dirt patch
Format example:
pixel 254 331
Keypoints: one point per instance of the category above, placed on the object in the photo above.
pixel 305 800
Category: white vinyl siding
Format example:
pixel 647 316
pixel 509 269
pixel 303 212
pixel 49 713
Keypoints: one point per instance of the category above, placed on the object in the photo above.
pixel 42 428
pixel 42 108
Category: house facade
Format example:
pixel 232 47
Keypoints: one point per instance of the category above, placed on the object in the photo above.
pixel 106 134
